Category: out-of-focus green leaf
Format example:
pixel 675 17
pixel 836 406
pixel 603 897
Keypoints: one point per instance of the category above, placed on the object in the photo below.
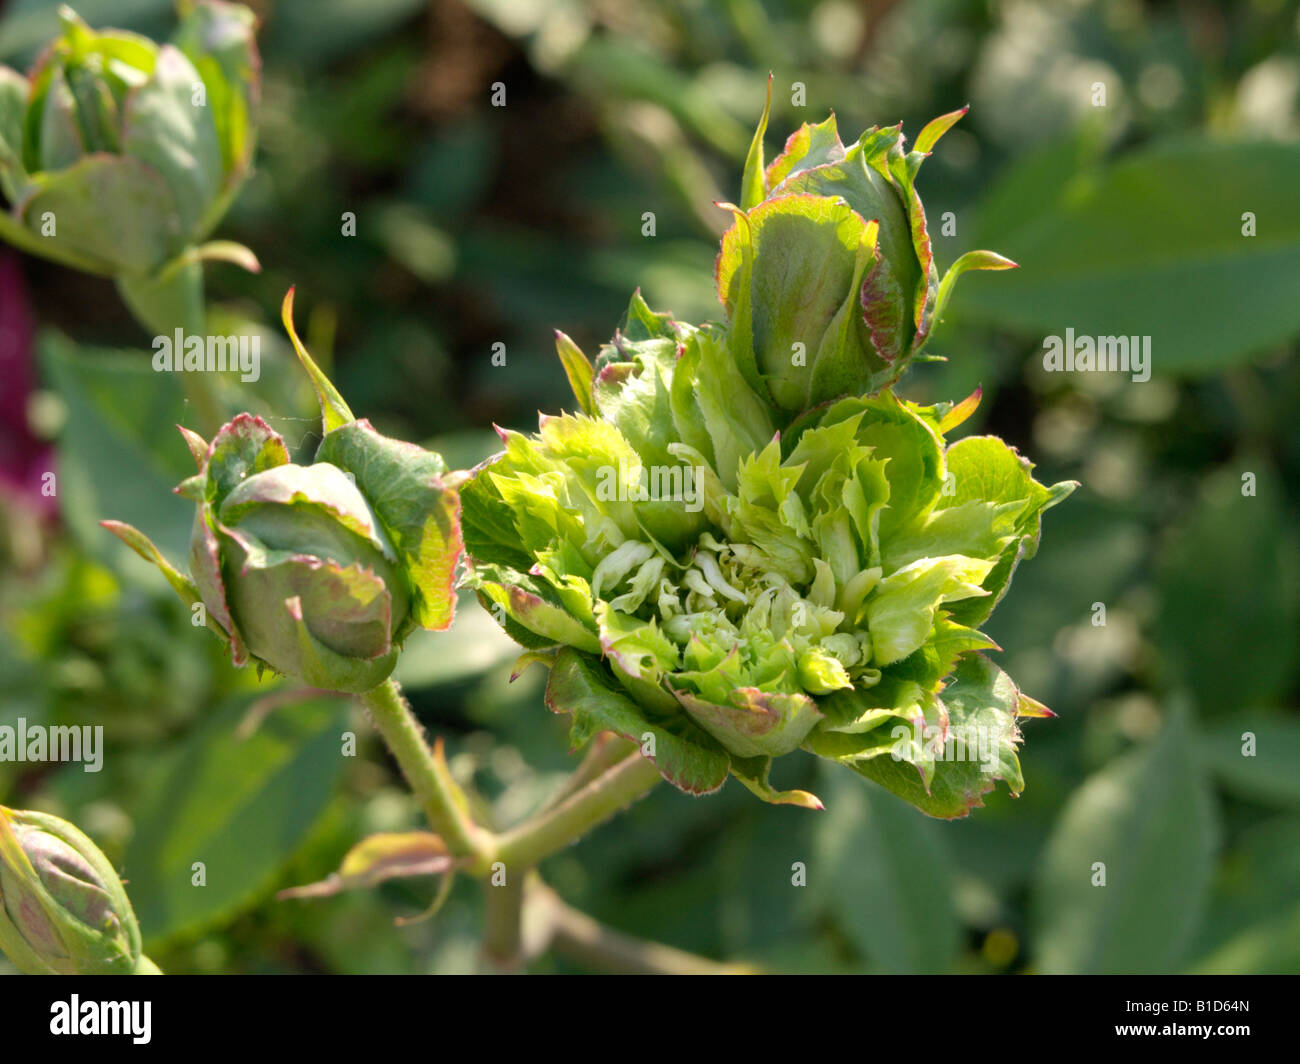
pixel 119 455
pixel 1154 245
pixel 1253 924
pixel 1257 756
pixel 886 876
pixel 1229 588
pixel 241 806
pixel 1150 820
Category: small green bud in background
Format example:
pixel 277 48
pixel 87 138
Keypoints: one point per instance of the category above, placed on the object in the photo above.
pixel 63 910
pixel 319 571
pixel 827 274
pixel 118 155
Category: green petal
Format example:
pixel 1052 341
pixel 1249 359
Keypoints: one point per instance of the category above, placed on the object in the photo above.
pixel 244 446
pixel 756 723
pixel 686 757
pixel 404 486
pixel 166 130
pixel 981 704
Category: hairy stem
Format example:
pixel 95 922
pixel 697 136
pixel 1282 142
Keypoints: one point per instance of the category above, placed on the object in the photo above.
pixel 426 771
pixel 559 825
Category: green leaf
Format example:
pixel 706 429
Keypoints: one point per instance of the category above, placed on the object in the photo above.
pixel 1253 923
pixel 1154 245
pixel 403 484
pixel 754 773
pixel 1256 755
pixel 901 612
pixel 379 858
pixel 886 877
pixel 334 411
pixel 13 109
pixel 936 128
pixel 533 603
pixel 1150 819
pixel 578 369
pixel 983 467
pixel 753 185
pixel 686 757
pixel 112 209
pixel 118 453
pixel 143 546
pixel 978 748
pixel 241 806
pixel 1228 586
pixel 488 523
pixel 972 260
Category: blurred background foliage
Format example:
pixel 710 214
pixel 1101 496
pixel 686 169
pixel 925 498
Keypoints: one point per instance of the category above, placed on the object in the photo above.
pixel 477 225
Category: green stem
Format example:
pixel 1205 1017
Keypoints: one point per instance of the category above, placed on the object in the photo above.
pixel 606 751
pixel 144 966
pixel 503 918
pixel 556 827
pixel 426 771
pixel 576 935
pixel 169 300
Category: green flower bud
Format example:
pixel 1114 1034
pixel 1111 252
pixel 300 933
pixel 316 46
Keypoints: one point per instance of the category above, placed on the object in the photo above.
pixel 827 275
pixel 117 153
pixel 739 594
pixel 63 910
pixel 319 571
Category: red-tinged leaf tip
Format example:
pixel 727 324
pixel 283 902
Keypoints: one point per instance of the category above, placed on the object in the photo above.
pixel 1031 707
pixel 334 411
pixel 190 488
pixel 960 412
pixel 503 433
pixel 197 444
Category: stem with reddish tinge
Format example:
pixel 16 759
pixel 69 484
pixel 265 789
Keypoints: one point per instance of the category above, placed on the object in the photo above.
pixel 441 798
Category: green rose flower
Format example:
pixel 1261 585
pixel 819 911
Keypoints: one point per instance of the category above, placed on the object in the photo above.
pixel 319 571
pixel 63 910
pixel 737 594
pixel 827 275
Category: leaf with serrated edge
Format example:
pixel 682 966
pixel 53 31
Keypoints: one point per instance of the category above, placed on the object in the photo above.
pixel 685 756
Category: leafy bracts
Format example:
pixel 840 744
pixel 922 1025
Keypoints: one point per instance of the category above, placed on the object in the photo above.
pixel 736 594
pixel 318 571
pixel 827 274
pixel 119 155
